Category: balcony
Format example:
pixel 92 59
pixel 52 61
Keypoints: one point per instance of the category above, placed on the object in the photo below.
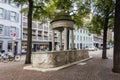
pixel 40 38
pixel 56 40
pixel 34 25
pixel 25 19
pixel 24 36
pixel 56 35
pixel 24 24
pixel 25 31
pixel 40 27
pixel 33 32
pixel 50 38
pixel 34 37
pixel 45 38
pixel 46 35
pixel 39 33
pixel 45 28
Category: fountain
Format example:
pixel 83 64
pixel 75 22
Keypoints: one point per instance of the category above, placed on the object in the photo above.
pixel 55 60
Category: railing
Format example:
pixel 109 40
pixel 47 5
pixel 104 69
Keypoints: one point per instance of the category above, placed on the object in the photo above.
pixel 24 36
pixel 25 24
pixel 34 25
pixel 45 38
pixel 34 37
pixel 45 28
pixel 40 38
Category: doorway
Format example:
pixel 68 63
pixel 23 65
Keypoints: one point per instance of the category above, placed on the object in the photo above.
pixel 15 48
pixel 80 45
pixel 0 46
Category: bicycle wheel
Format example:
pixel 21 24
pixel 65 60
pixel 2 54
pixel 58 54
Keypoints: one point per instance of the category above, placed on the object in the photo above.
pixel 5 60
pixel 0 58
pixel 11 58
pixel 17 58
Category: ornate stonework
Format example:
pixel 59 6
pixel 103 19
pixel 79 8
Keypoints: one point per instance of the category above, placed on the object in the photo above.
pixel 57 58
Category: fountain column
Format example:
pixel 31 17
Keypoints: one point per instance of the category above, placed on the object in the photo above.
pixel 72 39
pixel 65 39
pixel 53 41
pixel 60 40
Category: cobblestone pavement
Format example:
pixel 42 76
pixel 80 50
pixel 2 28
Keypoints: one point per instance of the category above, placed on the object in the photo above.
pixel 94 69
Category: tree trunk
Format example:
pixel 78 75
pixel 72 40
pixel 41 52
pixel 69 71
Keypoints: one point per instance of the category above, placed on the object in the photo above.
pixel 29 30
pixel 68 39
pixel 104 56
pixel 116 55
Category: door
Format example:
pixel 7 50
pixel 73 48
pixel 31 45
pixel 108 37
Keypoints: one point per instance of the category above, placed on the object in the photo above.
pixel 15 48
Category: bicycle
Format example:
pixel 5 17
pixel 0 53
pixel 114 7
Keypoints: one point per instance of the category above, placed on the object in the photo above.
pixel 6 57
pixel 3 58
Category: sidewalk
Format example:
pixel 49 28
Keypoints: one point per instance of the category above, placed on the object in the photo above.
pixel 94 69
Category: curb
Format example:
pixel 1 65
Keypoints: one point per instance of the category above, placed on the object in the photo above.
pixel 56 68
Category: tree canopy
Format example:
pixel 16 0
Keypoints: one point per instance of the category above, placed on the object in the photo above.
pixel 78 9
pixel 103 14
pixel 42 9
pixel 102 9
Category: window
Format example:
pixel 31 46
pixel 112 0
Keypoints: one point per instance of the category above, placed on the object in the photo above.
pixel 0 45
pixel 83 31
pixel 77 46
pixel 13 16
pixel 13 29
pixel 4 1
pixel 1 29
pixel 9 47
pixel 7 30
pixel 77 37
pixel 80 38
pixel 80 30
pixel 12 4
pixel 1 13
pixel 84 38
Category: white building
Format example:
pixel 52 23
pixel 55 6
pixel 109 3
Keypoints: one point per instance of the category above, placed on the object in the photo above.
pixel 98 41
pixel 82 38
pixel 10 27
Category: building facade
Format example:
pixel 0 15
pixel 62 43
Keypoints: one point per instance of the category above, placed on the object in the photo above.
pixel 82 39
pixel 41 36
pixel 98 41
pixel 10 27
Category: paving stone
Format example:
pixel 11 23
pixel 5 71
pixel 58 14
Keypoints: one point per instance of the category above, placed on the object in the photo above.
pixel 94 69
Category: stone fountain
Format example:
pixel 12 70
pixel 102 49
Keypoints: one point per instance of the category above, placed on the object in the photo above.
pixel 54 60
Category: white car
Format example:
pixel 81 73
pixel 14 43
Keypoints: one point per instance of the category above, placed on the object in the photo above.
pixel 91 48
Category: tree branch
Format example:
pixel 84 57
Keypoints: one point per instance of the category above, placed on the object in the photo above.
pixel 37 7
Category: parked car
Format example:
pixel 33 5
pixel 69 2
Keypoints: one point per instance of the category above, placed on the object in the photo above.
pixel 107 47
pixel 24 52
pixel 91 48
